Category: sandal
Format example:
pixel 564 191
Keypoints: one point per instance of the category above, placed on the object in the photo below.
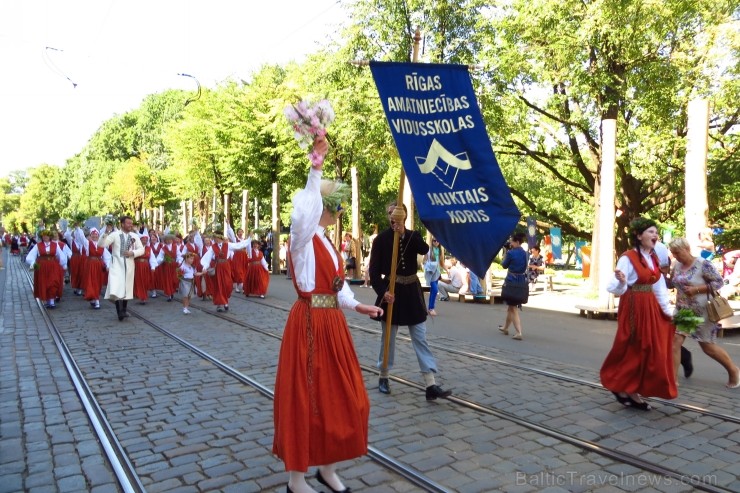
pixel 503 331
pixel 517 337
pixel 642 405
pixel 730 385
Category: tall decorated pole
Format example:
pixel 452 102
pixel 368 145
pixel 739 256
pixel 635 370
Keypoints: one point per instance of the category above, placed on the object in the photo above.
pixel 398 216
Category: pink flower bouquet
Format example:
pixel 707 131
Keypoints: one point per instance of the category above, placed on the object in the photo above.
pixel 310 121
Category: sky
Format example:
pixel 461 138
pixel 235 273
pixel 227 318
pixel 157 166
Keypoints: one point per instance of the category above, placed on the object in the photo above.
pixel 119 51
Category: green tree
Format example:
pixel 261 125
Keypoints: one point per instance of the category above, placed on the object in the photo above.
pixel 557 69
pixel 43 198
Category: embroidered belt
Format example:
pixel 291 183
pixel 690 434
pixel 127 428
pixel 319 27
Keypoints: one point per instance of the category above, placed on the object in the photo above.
pixel 47 257
pixel 410 279
pixel 324 301
pixel 254 262
pixel 221 260
pixel 92 257
pixel 641 287
pixel 140 259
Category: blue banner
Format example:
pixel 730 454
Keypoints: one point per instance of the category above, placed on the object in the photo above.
pixel 579 244
pixel 458 188
pixel 557 243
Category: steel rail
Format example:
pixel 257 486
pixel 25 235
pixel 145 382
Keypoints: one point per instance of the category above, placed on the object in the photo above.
pixel 410 474
pixel 114 451
pixel 587 445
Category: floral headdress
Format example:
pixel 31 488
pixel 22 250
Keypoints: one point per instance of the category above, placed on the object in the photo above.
pixel 637 226
pixel 333 201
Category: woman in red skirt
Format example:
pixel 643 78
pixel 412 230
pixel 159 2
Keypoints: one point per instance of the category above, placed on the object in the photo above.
pixel 95 268
pixel 257 277
pixel 640 362
pixel 321 407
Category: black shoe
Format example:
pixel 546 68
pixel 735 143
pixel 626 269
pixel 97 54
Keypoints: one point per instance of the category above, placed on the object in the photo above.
pixel 384 386
pixel 444 299
pixel 643 406
pixel 436 392
pixel 688 366
pixel 226 308
pixel 625 401
pixel 321 480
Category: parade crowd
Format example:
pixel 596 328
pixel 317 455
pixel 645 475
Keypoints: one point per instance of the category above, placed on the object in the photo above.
pixel 210 266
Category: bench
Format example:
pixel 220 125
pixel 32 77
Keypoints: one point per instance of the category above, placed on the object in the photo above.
pixel 591 311
pixel 546 280
pixel 470 298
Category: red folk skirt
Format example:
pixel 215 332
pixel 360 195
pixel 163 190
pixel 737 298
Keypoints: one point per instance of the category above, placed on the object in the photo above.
pixel 143 278
pixel 321 406
pixel 256 280
pixel 94 277
pixel 47 278
pixel 641 358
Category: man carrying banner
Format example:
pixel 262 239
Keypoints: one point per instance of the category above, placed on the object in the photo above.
pixel 409 307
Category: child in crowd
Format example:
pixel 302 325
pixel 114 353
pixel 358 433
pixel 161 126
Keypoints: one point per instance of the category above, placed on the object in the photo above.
pixel 188 272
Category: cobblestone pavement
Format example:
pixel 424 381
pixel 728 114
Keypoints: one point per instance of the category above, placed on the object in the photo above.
pixel 187 426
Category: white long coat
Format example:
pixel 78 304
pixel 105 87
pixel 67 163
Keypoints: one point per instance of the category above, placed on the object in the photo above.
pixel 121 273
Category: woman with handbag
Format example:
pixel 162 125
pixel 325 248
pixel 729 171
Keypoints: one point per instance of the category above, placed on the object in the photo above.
pixel 515 292
pixel 695 279
pixel 640 362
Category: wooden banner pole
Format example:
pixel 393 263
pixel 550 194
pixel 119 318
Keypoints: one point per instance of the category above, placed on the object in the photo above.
pixel 398 215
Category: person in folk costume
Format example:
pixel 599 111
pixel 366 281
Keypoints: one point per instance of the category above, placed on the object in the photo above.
pixel 180 245
pixel 194 245
pixel 68 255
pixel 95 267
pixel 218 257
pixel 167 262
pixel 257 277
pixel 188 273
pixel 144 275
pixel 640 362
pixel 207 282
pixel 125 247
pixel 321 407
pixel 77 261
pixel 240 260
pixel 46 259
pixel 15 248
pixel 23 243
pixel 157 274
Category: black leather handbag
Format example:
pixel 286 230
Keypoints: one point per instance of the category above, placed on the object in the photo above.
pixel 515 292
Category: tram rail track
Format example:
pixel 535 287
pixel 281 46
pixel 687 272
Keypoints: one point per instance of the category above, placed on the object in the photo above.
pixel 587 445
pixel 419 481
pixel 509 364
pixel 127 477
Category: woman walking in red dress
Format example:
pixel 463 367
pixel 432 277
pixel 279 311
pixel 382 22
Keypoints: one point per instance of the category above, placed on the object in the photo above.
pixel 321 407
pixel 95 268
pixel 640 362
pixel 257 276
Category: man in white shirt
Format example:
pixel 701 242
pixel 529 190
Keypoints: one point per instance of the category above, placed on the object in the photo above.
pixel 457 278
